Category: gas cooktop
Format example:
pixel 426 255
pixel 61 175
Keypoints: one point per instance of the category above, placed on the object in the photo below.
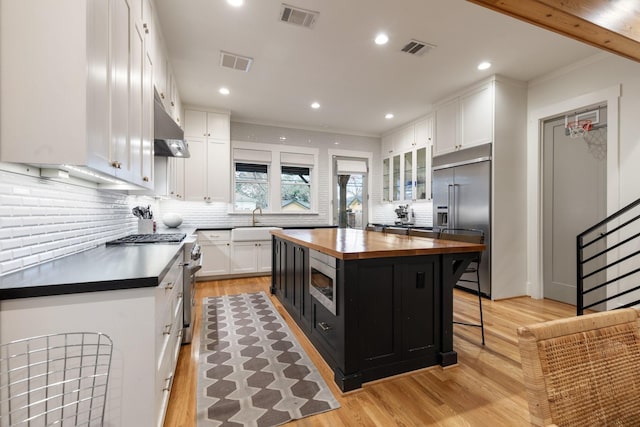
pixel 148 238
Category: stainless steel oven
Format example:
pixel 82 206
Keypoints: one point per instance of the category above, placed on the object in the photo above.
pixel 192 263
pixel 322 279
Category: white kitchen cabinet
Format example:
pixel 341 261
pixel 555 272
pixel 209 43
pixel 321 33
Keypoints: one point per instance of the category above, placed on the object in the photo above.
pixel 208 170
pixel 251 257
pixel 264 256
pixel 216 251
pixel 90 106
pixel 176 177
pixel 446 127
pixel 145 325
pixel 244 257
pixel 465 120
pixel 406 173
pixel 169 177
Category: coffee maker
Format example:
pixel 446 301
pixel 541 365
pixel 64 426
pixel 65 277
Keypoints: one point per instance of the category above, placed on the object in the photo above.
pixel 405 215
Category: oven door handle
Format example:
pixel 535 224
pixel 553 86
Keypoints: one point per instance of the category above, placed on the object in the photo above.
pixel 193 268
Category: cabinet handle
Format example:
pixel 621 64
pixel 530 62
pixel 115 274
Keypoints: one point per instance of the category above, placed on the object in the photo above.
pixel 173 104
pixel 324 326
pixel 146 28
pixel 145 178
pixel 116 164
pixel 168 381
pixel 169 286
pixel 167 329
pixel 162 95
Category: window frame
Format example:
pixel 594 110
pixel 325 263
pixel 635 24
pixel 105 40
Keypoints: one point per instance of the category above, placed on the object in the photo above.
pixel 277 152
pixel 235 181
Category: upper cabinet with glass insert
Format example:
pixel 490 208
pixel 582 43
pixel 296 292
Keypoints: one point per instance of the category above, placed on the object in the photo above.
pixel 406 162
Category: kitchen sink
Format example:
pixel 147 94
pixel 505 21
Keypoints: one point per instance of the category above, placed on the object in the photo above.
pixel 244 234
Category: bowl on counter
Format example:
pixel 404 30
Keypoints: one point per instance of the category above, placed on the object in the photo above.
pixel 172 220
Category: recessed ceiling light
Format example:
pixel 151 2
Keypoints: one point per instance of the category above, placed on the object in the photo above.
pixel 315 105
pixel 236 3
pixel 484 65
pixel 224 91
pixel 283 138
pixel 381 38
pixel 388 116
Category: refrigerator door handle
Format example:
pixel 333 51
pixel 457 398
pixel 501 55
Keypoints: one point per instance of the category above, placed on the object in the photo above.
pixel 455 206
pixel 450 206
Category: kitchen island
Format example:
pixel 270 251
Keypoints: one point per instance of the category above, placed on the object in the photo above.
pixel 373 304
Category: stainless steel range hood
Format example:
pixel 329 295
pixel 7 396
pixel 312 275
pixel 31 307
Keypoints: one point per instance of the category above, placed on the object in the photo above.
pixel 167 136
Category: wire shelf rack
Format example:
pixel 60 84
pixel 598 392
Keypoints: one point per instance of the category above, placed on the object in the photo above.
pixel 58 379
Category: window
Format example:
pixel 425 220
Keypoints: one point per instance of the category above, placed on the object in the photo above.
pixel 295 189
pixel 251 186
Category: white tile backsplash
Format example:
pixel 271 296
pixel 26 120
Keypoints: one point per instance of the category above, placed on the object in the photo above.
pixel 42 219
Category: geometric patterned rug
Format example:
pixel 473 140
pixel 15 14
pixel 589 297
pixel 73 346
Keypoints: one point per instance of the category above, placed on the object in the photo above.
pixel 252 371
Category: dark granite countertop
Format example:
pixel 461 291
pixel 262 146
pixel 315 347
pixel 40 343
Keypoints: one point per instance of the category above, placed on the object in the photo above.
pixel 103 268
pixel 100 269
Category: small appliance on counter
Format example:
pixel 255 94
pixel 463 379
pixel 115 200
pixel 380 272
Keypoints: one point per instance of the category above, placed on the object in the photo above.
pixel 405 215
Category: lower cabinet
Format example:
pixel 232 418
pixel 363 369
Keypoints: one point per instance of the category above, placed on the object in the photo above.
pixel 145 325
pixel 290 280
pixel 223 257
pixel 250 257
pixel 387 319
pixel 216 251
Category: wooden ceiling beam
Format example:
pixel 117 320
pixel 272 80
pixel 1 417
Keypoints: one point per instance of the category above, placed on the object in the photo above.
pixel 612 25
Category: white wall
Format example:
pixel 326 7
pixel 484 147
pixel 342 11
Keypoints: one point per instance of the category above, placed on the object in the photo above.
pixel 602 76
pixel 203 215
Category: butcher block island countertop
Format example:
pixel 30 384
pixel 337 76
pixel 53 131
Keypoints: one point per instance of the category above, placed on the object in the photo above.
pixel 350 244
pixel 375 304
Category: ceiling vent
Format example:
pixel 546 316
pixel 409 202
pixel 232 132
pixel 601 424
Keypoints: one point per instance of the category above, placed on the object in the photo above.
pixel 236 62
pixel 414 47
pixel 296 16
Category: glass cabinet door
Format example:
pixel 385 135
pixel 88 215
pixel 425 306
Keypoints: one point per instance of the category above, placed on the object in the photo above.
pixel 408 175
pixel 397 181
pixel 423 174
pixel 386 196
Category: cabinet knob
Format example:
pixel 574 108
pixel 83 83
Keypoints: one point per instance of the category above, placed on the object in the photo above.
pixel 145 178
pixel 116 164
pixel 173 104
pixel 162 95
pixel 146 28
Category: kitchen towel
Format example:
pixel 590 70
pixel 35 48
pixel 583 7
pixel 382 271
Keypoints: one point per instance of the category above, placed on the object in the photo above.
pixel 252 370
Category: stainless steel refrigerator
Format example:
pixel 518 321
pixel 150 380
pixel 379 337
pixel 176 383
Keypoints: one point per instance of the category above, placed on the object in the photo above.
pixel 462 200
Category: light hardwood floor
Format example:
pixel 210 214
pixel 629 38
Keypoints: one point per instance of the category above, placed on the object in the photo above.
pixel 485 388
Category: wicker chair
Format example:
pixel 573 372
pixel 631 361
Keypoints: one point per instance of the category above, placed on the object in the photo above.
pixel 583 371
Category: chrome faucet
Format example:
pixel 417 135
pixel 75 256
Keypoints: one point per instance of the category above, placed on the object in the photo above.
pixel 253 216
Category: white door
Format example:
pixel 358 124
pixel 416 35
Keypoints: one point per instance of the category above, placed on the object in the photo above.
pixel 574 199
